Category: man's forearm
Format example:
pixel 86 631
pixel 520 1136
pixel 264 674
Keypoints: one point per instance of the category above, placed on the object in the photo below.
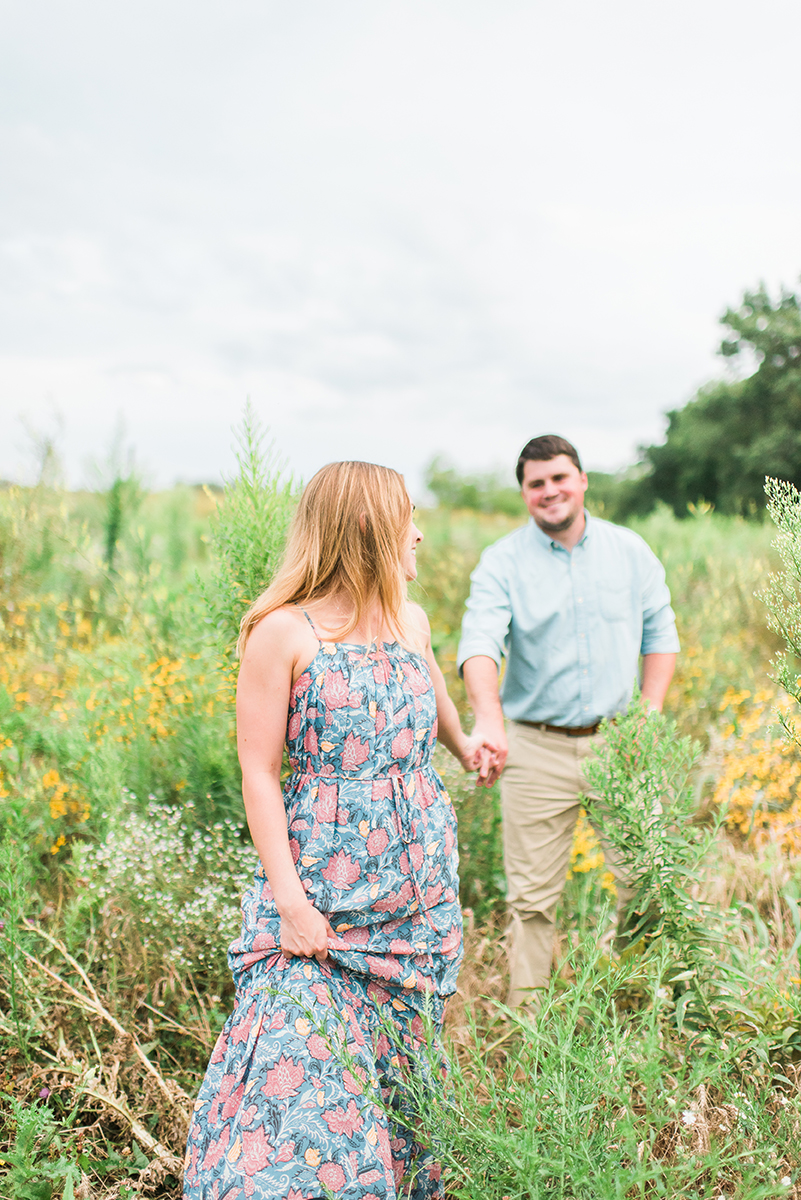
pixel 657 672
pixel 481 684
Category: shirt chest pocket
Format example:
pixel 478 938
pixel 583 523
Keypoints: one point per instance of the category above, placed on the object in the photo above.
pixel 614 601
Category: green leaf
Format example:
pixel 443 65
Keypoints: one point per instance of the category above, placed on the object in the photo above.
pixel 682 1004
pixel 139 1159
pixel 39 1189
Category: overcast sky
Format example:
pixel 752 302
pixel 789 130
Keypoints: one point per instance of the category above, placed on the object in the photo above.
pixel 402 229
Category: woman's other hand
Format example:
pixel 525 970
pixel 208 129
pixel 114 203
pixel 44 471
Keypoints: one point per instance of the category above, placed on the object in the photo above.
pixel 305 932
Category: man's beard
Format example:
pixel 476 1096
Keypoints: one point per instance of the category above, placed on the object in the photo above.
pixel 557 526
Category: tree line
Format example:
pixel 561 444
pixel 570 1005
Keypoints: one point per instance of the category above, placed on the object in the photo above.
pixel 718 447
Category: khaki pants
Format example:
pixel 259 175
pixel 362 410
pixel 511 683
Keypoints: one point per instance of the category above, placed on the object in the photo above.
pixel 540 790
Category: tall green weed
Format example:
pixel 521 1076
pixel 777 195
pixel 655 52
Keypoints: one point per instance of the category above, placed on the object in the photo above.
pixel 248 531
pixel 782 592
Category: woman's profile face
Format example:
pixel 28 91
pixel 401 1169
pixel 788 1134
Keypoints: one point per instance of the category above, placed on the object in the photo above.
pixel 409 557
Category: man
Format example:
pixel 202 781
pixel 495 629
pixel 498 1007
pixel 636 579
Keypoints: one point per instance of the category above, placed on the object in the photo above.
pixel 571 602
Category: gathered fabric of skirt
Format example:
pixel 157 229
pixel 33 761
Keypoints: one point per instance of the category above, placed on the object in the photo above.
pixel 298 1096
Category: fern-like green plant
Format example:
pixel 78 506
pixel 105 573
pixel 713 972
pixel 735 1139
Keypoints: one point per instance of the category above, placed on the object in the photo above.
pixel 38 1164
pixel 248 530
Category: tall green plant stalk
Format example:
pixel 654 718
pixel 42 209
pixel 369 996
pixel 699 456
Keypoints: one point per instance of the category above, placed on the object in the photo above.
pixel 645 801
pixel 14 893
pixel 248 530
pixel 123 495
pixel 782 595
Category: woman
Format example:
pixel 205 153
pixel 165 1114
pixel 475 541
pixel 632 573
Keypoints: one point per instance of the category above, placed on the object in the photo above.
pixel 352 931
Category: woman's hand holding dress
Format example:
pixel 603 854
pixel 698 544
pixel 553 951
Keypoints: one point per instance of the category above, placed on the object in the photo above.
pixel 305 932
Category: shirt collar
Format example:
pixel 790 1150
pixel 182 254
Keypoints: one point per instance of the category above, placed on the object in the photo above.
pixel 548 543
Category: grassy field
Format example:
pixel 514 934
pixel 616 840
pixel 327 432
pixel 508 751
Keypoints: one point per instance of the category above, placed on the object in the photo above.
pixel 672 1070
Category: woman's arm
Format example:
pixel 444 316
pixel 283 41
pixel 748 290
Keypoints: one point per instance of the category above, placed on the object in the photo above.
pixel 472 752
pixel 262 703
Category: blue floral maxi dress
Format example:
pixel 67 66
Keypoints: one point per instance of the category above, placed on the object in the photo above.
pixel 288 1105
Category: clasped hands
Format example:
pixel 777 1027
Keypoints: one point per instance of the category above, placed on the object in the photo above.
pixel 486 755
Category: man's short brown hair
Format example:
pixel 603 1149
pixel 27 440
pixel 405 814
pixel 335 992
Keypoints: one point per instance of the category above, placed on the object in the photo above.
pixel 543 449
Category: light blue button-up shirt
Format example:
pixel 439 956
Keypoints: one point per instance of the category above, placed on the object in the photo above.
pixel 571 625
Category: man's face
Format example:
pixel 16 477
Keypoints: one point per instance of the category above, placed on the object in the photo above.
pixel 554 492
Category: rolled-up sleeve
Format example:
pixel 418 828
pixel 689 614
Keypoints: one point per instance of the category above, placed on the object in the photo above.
pixel 659 634
pixel 488 615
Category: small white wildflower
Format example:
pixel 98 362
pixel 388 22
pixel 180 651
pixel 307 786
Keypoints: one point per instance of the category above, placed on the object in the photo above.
pixel 785 1181
pixel 688 1117
pixel 662 993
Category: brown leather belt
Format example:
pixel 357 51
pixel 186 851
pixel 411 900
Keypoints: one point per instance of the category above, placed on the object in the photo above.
pixel 567 730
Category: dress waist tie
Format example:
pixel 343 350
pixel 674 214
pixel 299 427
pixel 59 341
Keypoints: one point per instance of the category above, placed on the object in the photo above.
pixel 401 795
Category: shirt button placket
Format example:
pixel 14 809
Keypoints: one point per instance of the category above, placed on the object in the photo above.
pixel 582 629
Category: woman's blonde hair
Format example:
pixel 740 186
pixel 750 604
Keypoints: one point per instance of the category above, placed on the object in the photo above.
pixel 347 536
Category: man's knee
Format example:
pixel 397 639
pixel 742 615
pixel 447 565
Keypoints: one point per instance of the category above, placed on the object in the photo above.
pixel 531 940
pixel 536 860
pixel 536 891
pixel 521 909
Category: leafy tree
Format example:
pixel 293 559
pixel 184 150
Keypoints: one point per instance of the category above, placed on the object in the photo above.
pixel 620 496
pixel 482 492
pixel 721 445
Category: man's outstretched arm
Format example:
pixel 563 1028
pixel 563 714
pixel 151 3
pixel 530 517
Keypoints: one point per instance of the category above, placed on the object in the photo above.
pixel 481 684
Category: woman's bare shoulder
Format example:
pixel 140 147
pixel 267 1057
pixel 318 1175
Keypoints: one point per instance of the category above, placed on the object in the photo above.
pixel 418 619
pixel 283 629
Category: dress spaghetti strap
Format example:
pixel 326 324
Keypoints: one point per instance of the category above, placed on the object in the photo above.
pixel 311 622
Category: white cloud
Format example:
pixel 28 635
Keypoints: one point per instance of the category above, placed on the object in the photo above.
pixel 402 230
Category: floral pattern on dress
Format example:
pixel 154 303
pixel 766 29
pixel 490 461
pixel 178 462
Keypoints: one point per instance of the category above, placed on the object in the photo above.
pixel 288 1107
